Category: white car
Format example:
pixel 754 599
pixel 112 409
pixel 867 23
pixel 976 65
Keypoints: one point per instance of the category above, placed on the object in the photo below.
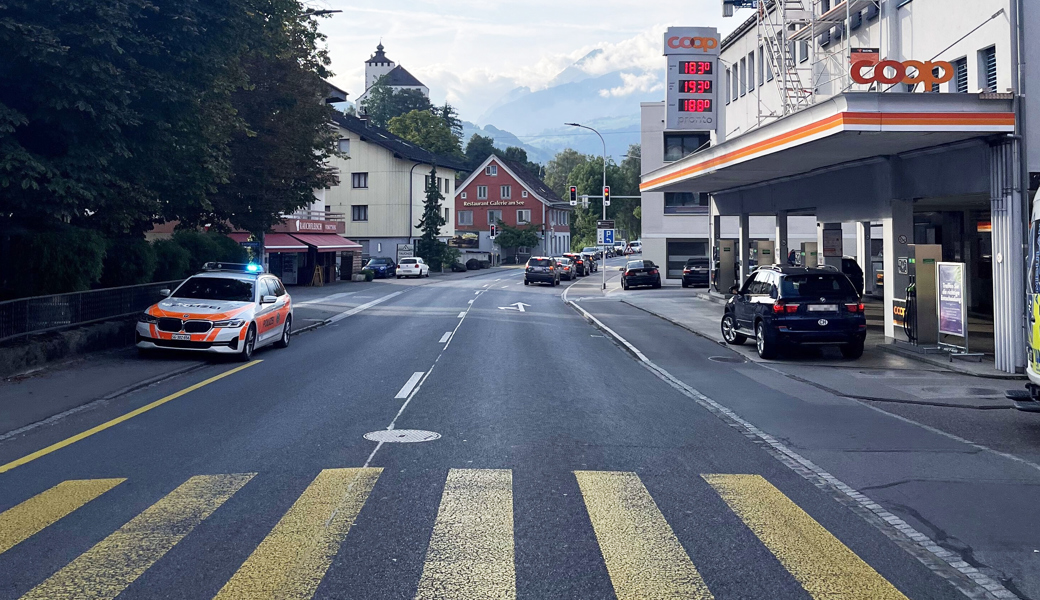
pixel 412 267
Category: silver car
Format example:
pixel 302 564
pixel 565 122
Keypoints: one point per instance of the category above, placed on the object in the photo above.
pixel 567 270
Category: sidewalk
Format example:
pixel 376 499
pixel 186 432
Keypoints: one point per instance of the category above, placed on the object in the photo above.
pixel 878 376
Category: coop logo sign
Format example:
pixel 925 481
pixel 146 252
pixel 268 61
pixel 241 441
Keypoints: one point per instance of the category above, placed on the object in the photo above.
pixel 694 43
pixel 908 71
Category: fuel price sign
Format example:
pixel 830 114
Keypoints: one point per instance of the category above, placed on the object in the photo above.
pixel 692 54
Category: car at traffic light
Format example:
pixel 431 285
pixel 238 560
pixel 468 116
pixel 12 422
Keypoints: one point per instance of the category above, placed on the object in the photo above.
pixel 590 261
pixel 695 272
pixel 594 251
pixel 225 309
pixel 640 273
pixel 579 262
pixel 785 307
pixel 413 267
pixel 542 269
pixel 566 267
pixel 381 266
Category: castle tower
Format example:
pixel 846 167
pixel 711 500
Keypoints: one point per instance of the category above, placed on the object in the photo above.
pixel 377 66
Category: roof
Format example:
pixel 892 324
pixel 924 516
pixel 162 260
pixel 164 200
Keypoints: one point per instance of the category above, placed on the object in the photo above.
pixel 379 56
pixel 400 147
pixel 400 77
pixel 533 183
pixel 789 270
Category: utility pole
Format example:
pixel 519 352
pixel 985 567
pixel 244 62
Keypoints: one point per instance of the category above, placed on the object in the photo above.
pixel 604 182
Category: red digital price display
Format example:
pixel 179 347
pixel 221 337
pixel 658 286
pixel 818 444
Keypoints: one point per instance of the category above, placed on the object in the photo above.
pixel 696 67
pixel 695 86
pixel 695 106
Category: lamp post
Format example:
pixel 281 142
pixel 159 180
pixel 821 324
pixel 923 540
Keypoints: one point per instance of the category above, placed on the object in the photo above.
pixel 604 183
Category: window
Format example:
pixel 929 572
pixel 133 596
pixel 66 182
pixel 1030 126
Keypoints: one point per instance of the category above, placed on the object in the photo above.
pixel 494 216
pixel 729 86
pixel 935 74
pixel 359 180
pixel 803 50
pixel 481 192
pixel 523 194
pixel 960 76
pixel 447 215
pixel 988 68
pixel 751 71
pixel 465 217
pixel 564 218
pixel 761 65
pixel 678 145
pixel 685 203
pixel 506 192
pixel 736 82
pixel 825 6
pixel 359 212
pixel 743 77
pixel 523 217
pixel 344 146
pixel 769 67
pixel 491 170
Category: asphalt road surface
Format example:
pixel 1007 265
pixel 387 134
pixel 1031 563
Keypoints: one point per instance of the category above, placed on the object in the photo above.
pixel 472 438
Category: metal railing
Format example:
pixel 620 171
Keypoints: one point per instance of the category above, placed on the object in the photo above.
pixel 39 314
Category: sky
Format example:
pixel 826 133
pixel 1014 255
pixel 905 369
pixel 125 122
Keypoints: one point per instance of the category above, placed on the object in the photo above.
pixel 470 53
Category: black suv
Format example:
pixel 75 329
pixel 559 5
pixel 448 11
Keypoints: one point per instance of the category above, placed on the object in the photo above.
pixel 781 306
pixel 695 271
pixel 542 269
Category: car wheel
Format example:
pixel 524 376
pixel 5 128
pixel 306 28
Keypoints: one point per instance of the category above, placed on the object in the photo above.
pixel 283 342
pixel 249 345
pixel 624 284
pixel 398 276
pixel 552 283
pixel 764 342
pixel 852 350
pixel 526 282
pixel 730 333
pixel 684 284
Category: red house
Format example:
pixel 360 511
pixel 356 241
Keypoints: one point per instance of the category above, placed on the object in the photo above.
pixel 505 190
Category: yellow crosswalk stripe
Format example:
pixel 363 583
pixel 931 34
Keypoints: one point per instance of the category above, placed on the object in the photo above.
pixel 21 522
pixel 292 560
pixel 116 561
pixel 471 550
pixel 642 554
pixel 824 566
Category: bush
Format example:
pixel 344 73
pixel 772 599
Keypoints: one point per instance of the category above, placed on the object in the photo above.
pixel 472 264
pixel 485 264
pixel 66 259
pixel 128 261
pixel 369 274
pixel 171 261
pixel 207 247
pixel 450 257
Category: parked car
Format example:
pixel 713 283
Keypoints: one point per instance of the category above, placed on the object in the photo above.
pixel 225 309
pixel 413 267
pixel 852 270
pixel 619 248
pixel 784 307
pixel 579 263
pixel 640 272
pixel 590 260
pixel 695 272
pixel 636 247
pixel 542 269
pixel 566 267
pixel 594 251
pixel 382 266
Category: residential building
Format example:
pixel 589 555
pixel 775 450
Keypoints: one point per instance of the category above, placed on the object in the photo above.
pixel 505 190
pixel 397 77
pixel 931 147
pixel 382 187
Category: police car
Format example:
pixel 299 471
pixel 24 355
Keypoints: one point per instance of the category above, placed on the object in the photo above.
pixel 227 309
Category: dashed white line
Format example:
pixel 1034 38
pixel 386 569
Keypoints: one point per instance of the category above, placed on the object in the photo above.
pixel 470 302
pixel 445 337
pixel 462 315
pixel 407 389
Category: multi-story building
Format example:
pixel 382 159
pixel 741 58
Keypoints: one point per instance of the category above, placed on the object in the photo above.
pixel 908 119
pixel 506 191
pixel 396 76
pixel 383 181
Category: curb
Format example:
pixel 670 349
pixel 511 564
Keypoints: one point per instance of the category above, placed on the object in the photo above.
pixel 893 349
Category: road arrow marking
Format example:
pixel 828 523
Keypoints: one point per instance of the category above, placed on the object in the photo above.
pixel 515 306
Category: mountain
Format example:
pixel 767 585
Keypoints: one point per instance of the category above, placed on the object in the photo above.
pixel 505 139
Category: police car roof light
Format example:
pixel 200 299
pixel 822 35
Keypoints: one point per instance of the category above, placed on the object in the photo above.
pixel 233 267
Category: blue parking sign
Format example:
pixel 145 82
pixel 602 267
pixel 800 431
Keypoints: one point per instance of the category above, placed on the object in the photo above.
pixel 605 237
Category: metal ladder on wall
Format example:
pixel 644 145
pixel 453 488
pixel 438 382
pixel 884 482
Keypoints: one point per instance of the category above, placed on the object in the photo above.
pixel 776 21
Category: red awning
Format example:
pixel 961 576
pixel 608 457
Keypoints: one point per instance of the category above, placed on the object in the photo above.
pixel 282 242
pixel 327 242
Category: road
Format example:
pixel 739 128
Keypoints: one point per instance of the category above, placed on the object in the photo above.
pixel 441 443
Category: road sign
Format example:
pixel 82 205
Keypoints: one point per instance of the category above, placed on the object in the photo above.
pixel 605 224
pixel 605 237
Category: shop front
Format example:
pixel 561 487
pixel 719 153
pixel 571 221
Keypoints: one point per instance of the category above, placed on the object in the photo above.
pixel 306 251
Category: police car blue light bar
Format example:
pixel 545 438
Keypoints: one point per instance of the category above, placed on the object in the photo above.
pixel 233 267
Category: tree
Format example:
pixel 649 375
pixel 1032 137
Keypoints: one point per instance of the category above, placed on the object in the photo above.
pixel 520 155
pixel 478 149
pixel 429 247
pixel 383 103
pixel 427 131
pixel 516 237
pixel 558 170
pixel 283 154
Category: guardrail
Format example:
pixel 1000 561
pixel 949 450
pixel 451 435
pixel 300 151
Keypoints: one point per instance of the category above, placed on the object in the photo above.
pixel 40 314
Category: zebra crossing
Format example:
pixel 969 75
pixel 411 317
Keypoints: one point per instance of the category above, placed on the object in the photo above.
pixel 470 551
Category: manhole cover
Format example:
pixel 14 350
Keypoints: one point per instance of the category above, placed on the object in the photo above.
pixel 727 359
pixel 402 436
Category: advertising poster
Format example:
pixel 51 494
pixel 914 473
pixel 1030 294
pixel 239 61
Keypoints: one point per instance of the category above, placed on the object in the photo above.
pixel 465 239
pixel 832 243
pixel 952 309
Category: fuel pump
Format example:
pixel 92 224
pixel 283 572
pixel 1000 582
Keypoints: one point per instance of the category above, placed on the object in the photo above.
pixel 921 319
pixel 910 316
pixel 725 266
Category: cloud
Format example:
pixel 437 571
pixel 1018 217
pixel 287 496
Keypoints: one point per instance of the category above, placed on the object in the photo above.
pixel 633 83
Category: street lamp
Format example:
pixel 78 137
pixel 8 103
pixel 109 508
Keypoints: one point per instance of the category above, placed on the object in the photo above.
pixel 604 184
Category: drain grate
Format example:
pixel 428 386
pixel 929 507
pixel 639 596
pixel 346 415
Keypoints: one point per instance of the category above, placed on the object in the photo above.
pixel 727 359
pixel 402 436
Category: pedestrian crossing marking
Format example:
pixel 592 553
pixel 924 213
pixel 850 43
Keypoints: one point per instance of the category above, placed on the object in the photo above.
pixel 824 566
pixel 115 562
pixel 25 520
pixel 292 560
pixel 471 550
pixel 642 554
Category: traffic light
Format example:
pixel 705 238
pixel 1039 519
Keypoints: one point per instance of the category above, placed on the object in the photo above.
pixel 494 230
pixel 574 195
pixel 606 195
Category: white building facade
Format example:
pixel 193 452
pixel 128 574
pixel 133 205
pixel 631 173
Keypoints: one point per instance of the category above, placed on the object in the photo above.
pixel 396 76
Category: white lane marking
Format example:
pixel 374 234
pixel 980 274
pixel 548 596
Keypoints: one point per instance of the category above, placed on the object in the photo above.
pixel 929 552
pixel 477 293
pixel 462 315
pixel 324 299
pixel 407 389
pixel 357 309
pixel 485 285
pixel 470 302
pixel 445 337
pixel 515 306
